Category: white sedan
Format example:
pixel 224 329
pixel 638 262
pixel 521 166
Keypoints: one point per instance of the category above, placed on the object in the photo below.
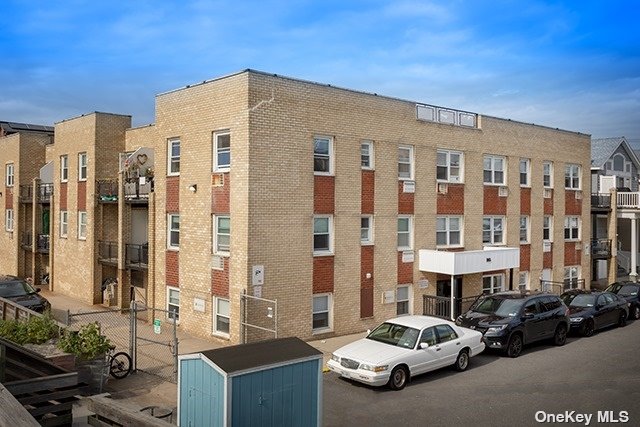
pixel 406 346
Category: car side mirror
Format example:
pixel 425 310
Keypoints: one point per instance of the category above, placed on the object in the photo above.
pixel 424 345
pixel 527 316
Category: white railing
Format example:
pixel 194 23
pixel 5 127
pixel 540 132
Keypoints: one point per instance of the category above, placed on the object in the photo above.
pixel 629 200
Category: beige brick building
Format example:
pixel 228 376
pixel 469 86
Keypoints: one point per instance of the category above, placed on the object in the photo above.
pixel 347 208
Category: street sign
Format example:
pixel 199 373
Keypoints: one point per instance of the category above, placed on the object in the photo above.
pixel 156 326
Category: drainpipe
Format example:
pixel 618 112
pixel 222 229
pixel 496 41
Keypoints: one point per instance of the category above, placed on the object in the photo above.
pixel 453 298
pixel 511 279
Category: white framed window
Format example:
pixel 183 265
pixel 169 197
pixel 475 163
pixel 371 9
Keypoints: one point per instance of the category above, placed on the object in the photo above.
pixel 64 223
pixel 173 231
pixel 405 162
pixel 523 280
pixel 8 219
pixel 492 283
pixel 366 229
pixel 572 228
pixel 82 166
pixel 493 230
pixel 405 232
pixel 571 276
pixel 322 234
pixel 524 229
pixel 493 170
pixel 82 225
pixel 221 316
pixel 547 228
pixel 547 174
pixel 403 300
pixel 221 235
pixel 173 156
pixel 449 231
pixel 64 168
pixel 572 177
pixel 323 155
pixel 221 151
pixel 173 304
pixel 9 175
pixel 322 313
pixel 449 166
pixel 366 155
pixel 525 172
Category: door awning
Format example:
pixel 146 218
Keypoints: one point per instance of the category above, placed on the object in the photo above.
pixel 467 262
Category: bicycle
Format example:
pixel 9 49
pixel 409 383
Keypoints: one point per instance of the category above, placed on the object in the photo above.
pixel 119 363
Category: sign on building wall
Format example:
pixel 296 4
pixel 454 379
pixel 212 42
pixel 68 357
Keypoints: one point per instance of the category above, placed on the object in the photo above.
pixel 257 276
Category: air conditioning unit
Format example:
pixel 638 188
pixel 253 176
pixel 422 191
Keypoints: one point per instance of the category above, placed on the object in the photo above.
pixel 388 297
pixel 443 188
pixel 578 194
pixel 408 186
pixel 217 262
pixel 546 246
pixel 503 191
pixel 217 180
pixel 548 193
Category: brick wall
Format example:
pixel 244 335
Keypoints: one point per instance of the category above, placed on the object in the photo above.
pixel 572 253
pixel 492 202
pixel 173 194
pixel 323 274
pixel 525 257
pixel 572 206
pixel 62 196
pixel 405 200
pixel 220 196
pixel 82 196
pixel 405 271
pixel 220 280
pixel 525 201
pixel 324 194
pixel 452 202
pixel 368 192
pixel 172 266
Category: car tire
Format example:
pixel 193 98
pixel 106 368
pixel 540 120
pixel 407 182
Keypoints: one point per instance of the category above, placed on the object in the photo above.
pixel 514 348
pixel 622 320
pixel 588 328
pixel 462 362
pixel 636 312
pixel 560 336
pixel 399 378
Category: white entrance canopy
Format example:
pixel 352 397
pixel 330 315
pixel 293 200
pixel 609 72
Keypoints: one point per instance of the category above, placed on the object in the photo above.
pixel 456 263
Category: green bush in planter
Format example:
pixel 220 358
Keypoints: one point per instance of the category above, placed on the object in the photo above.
pixel 87 343
pixel 36 330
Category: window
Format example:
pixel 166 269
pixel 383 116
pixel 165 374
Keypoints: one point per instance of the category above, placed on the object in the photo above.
pixel 222 151
pixel 571 276
pixel 525 166
pixel 445 333
pixel 618 162
pixel 405 233
pixel 366 229
pixel 572 228
pixel 173 304
pixel 222 237
pixel 64 168
pixel 173 231
pixel 449 166
pixel 366 155
pixel 322 234
pixel 547 228
pixel 173 157
pixel 405 162
pixel 448 231
pixel 323 155
pixel 523 280
pixel 494 170
pixel 8 220
pixel 492 284
pixel 321 312
pixel 403 300
pixel 64 222
pixel 547 173
pixel 9 175
pixel 222 314
pixel 572 177
pixel 524 229
pixel 492 230
pixel 82 166
pixel 82 225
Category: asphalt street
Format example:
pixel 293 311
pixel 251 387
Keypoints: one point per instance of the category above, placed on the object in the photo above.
pixel 586 375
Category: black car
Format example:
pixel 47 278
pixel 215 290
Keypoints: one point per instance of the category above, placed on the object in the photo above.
pixel 510 320
pixel 590 311
pixel 630 291
pixel 15 289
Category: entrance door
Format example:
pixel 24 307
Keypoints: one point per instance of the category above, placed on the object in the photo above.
pixel 444 290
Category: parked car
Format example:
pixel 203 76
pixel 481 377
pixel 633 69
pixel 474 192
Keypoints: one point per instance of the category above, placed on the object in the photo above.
pixel 510 320
pixel 20 291
pixel 591 311
pixel 630 291
pixel 403 347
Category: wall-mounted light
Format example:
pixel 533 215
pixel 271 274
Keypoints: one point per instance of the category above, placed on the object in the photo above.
pixel 193 188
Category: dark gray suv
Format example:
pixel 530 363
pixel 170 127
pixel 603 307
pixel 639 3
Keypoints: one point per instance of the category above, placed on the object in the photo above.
pixel 510 320
pixel 18 290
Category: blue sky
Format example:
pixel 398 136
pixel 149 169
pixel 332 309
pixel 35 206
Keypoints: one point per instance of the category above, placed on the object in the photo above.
pixel 568 64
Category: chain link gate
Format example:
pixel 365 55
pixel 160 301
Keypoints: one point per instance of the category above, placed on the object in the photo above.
pixel 258 318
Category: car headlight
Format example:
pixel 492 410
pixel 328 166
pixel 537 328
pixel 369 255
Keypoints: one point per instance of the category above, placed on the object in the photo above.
pixel 577 319
pixel 335 358
pixel 374 368
pixel 496 329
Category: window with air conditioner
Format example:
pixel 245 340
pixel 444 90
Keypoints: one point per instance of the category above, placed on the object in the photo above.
pixel 572 177
pixel 572 228
pixel 547 174
pixel 547 228
pixel 405 233
pixel 405 162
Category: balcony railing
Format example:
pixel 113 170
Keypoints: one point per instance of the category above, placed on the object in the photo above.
pixel 45 191
pixel 134 191
pixel 601 248
pixel 560 287
pixel 108 252
pixel 25 239
pixel 628 200
pixel 43 243
pixel 602 201
pixel 26 193
pixel 107 190
pixel 137 256
pixel 441 306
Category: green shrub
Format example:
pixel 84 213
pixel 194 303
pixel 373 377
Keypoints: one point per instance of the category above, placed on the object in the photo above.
pixel 86 344
pixel 36 330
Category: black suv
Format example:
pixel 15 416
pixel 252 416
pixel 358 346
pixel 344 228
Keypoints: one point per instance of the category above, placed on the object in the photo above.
pixel 509 320
pixel 630 291
pixel 17 290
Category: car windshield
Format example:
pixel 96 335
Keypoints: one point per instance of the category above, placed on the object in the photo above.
pixel 394 334
pixel 628 290
pixel 15 289
pixel 504 307
pixel 579 300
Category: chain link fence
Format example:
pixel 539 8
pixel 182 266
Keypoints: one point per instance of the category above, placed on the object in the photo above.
pixel 259 318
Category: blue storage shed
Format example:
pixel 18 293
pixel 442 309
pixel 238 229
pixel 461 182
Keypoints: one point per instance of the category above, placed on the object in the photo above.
pixel 269 383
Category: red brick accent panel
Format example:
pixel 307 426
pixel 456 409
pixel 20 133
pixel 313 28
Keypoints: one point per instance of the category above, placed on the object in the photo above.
pixel 63 196
pixel 8 200
pixel 220 197
pixel 548 205
pixel 547 259
pixel 572 255
pixel 405 270
pixel 172 203
pixel 172 265
pixel 525 201
pixel 405 200
pixel 451 203
pixel 366 302
pixel 366 266
pixel 324 194
pixel 82 195
pixel 525 257
pixel 220 280
pixel 494 204
pixel 368 189
pixel 322 274
pixel 571 205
